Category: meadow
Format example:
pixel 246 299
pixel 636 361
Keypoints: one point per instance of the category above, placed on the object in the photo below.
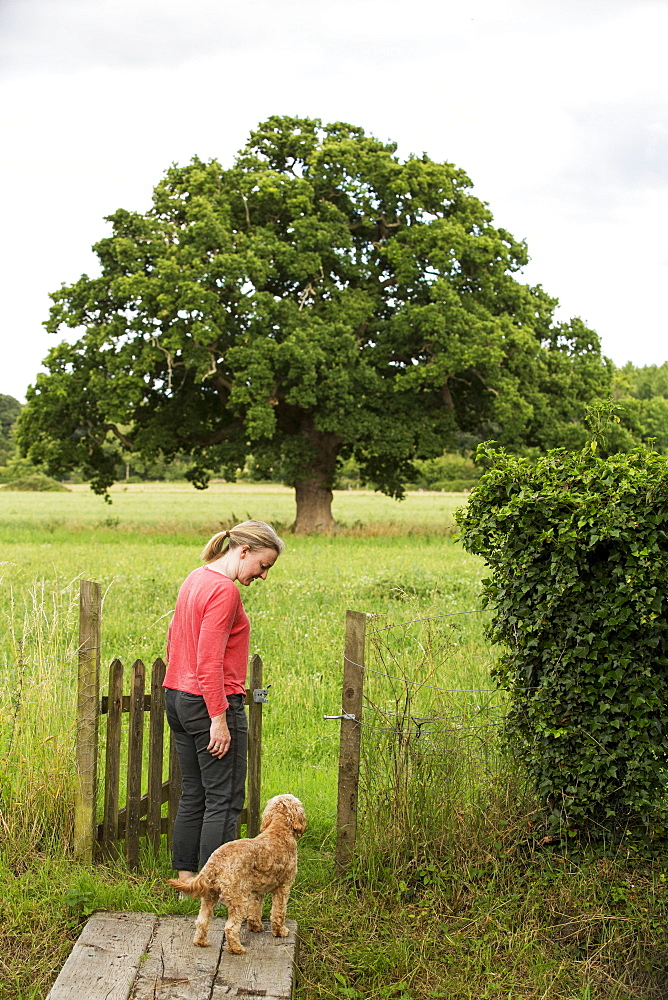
pixel 451 894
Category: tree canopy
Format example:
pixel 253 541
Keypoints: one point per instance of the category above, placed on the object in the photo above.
pixel 320 299
pixel 642 398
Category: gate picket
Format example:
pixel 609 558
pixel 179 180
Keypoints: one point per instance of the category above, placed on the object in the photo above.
pixel 135 748
pixel 155 754
pixel 112 774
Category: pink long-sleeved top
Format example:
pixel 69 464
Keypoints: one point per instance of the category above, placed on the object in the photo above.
pixel 208 640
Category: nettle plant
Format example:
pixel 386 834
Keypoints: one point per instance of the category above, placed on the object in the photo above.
pixel 578 549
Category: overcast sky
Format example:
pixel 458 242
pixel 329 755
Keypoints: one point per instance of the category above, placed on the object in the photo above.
pixel 557 110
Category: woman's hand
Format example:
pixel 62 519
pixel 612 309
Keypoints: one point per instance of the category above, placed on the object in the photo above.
pixel 220 740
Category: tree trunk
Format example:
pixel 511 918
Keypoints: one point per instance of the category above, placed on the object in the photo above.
pixel 313 488
pixel 314 508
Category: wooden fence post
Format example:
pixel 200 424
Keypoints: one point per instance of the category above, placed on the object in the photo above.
pixel 254 750
pixel 349 749
pixel 88 706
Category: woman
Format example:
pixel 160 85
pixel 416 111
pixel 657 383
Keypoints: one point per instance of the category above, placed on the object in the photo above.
pixel 207 654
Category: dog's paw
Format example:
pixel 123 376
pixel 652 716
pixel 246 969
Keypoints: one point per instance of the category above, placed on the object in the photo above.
pixel 279 930
pixel 236 949
pixel 255 925
pixel 201 942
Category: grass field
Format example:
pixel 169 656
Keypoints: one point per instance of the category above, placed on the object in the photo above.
pixel 450 896
pixel 297 614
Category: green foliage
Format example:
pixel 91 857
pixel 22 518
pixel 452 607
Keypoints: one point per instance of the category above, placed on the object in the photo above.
pixel 447 472
pixel 646 420
pixel 259 470
pixel 578 549
pixel 18 468
pixel 10 409
pixel 32 481
pixel 320 299
pixel 133 468
pixel 642 398
pixel 645 383
pixel 348 474
pixel 35 483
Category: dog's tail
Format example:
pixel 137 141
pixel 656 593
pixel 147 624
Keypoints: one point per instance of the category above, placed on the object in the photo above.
pixel 198 885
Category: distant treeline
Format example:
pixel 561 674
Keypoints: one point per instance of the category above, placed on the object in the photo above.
pixel 640 398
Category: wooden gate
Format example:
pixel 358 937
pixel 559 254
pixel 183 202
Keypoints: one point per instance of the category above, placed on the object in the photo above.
pixel 141 816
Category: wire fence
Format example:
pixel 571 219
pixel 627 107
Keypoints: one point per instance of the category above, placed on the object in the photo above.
pixel 404 660
pixel 431 753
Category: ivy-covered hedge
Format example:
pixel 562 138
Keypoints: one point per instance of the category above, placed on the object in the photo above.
pixel 578 549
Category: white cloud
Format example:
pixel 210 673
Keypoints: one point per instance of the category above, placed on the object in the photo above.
pixel 555 108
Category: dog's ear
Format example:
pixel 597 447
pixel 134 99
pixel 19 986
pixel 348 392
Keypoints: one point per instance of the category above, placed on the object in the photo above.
pixel 297 818
pixel 266 815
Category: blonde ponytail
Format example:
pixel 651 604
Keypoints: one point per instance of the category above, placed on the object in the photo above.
pixel 255 534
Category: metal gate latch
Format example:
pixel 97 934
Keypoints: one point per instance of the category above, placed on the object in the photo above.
pixel 260 695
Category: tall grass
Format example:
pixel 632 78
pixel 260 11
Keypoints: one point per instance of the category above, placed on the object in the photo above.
pixel 177 510
pixel 435 776
pixel 450 895
pixel 297 615
pixel 37 706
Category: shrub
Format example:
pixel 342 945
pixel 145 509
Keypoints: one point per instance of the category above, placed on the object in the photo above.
pixel 35 483
pixel 578 549
pixel 450 472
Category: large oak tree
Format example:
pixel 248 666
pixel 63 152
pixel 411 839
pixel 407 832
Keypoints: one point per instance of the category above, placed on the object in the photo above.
pixel 320 299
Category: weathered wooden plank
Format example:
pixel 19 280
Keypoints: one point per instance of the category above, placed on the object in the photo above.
pixel 88 698
pixel 155 754
pixel 104 703
pixel 105 959
pixel 175 969
pixel 143 956
pixel 266 970
pixel 143 809
pixel 135 747
pixel 125 703
pixel 113 760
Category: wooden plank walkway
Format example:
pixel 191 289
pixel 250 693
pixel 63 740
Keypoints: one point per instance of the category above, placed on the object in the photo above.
pixel 143 956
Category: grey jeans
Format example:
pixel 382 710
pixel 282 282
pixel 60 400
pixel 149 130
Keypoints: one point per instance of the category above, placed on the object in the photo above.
pixel 212 788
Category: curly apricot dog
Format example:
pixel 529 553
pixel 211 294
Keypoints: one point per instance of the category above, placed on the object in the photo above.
pixel 240 873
